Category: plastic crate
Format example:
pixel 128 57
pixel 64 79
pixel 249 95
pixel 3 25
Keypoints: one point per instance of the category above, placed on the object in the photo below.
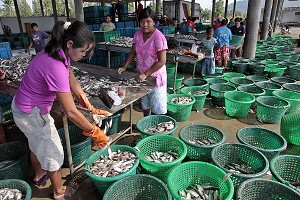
pixel 19 185
pixel 5 105
pixel 199 99
pixel 5 54
pixel 180 112
pixel 129 24
pixel 185 30
pixel 96 27
pixel 237 40
pixel 5 45
pixel 120 24
pixel 106 36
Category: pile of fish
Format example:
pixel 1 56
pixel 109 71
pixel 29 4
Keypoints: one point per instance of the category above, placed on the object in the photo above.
pixel 10 194
pixel 115 163
pixel 204 142
pixel 14 68
pixel 178 51
pixel 181 100
pixel 239 168
pixel 200 192
pixel 198 92
pixel 187 37
pixel 162 157
pixel 6 163
pixel 122 42
pixel 161 127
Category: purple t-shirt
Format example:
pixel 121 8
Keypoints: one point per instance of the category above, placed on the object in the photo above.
pixel 44 77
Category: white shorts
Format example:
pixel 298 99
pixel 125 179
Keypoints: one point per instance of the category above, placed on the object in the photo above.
pixel 43 138
pixel 156 100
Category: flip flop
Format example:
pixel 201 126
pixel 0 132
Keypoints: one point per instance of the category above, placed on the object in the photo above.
pixel 70 190
pixel 41 181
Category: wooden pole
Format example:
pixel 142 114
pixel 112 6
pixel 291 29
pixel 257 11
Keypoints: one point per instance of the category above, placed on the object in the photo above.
pixel 54 11
pixel 79 10
pixel 213 12
pixel 234 7
pixel 278 11
pixel 42 8
pixel 226 8
pixel 18 16
pixel 266 19
pixel 273 12
pixel 67 10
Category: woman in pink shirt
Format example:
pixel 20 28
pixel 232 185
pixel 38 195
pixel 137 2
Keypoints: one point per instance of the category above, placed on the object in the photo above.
pixel 50 76
pixel 149 46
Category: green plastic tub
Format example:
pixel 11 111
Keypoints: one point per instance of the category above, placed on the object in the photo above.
pixel 152 120
pixel 256 69
pixel 285 169
pixel 199 99
pixel 237 103
pixel 180 112
pixel 290 128
pixel 269 62
pixel 171 68
pixel 103 183
pixel 240 66
pixel 282 80
pixel 243 154
pixel 292 87
pixel 201 173
pixel 18 153
pixel 170 80
pixel 294 72
pixel 133 187
pixel 275 70
pixel 229 75
pixel 266 141
pixel 219 70
pixel 257 78
pixel 217 92
pixel 269 87
pixel 292 97
pixel 265 189
pixel 216 75
pixel 240 81
pixel 197 132
pixel 270 109
pixel 162 143
pixel 195 82
pixel 81 145
pixel 20 185
pixel 215 81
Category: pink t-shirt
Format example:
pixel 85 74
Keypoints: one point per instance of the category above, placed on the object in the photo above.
pixel 146 54
pixel 44 77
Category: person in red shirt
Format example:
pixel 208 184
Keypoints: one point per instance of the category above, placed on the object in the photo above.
pixel 191 23
pixel 218 23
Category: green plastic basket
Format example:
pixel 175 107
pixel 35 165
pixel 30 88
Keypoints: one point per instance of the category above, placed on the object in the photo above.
pixel 275 70
pixel 257 78
pixel 269 62
pixel 269 87
pixel 292 87
pixel 225 154
pixel 217 92
pixel 180 112
pixel 200 173
pixel 102 183
pixel 18 152
pixel 229 75
pixel 266 141
pixel 171 68
pixel 256 69
pixel 286 169
pixel 282 80
pixel 265 189
pixel 237 103
pixel 138 187
pixel 295 72
pixel 219 70
pixel 152 120
pixel 215 75
pixel 200 131
pixel 161 143
pixel 254 90
pixel 290 128
pixel 199 99
pixel 19 185
pixel 170 80
pixel 215 81
pixel 81 145
pixel 240 81
pixel 195 82
pixel 116 122
pixel 292 97
pixel 240 66
pixel 270 109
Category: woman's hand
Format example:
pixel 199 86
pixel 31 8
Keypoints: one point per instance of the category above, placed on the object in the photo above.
pixel 121 69
pixel 142 77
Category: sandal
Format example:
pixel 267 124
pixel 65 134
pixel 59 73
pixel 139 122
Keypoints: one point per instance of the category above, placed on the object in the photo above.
pixel 41 181
pixel 70 190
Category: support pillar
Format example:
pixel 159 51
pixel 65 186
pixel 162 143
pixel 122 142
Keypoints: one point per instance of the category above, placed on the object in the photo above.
pixel 158 7
pixel 18 15
pixel 278 11
pixel 234 7
pixel 213 12
pixel 67 10
pixel 226 8
pixel 54 11
pixel 193 8
pixel 79 10
pixel 253 17
pixel 273 12
pixel 42 7
pixel 266 19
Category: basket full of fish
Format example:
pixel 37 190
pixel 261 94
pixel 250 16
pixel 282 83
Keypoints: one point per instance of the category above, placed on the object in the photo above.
pixel 111 164
pixel 14 189
pixel 179 106
pixel 200 139
pixel 159 153
pixel 156 124
pixel 242 161
pixel 199 180
pixel 199 93
pixel 14 160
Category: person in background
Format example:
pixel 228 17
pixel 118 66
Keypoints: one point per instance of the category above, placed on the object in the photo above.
pixel 218 23
pixel 183 23
pixel 139 8
pixel 231 23
pixel 164 21
pixel 175 23
pixel 37 38
pixel 149 46
pixel 221 51
pixel 191 23
pixel 49 76
pixel 208 64
pixel 107 25
pixel 120 10
pixel 238 30
pixel 113 12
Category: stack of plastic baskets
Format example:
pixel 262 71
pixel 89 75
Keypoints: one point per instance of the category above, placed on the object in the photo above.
pixel 237 103
pixel 180 112
pixel 152 120
pixel 199 98
pixel 290 128
pixel 292 97
pixel 200 132
pixel 270 109
pixel 269 87
pixel 20 185
pixel 266 141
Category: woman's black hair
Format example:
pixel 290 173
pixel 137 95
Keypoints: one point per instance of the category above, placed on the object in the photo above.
pixel 77 32
pixel 208 29
pixel 33 25
pixel 147 12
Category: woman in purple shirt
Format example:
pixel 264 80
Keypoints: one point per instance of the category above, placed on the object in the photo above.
pixel 49 76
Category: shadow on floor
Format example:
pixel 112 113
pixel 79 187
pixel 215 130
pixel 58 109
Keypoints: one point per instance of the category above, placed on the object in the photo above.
pixel 216 113
pixel 292 150
pixel 250 119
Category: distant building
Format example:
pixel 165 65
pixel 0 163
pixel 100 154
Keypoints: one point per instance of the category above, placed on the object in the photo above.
pixel 290 12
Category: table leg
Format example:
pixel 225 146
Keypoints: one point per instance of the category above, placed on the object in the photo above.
pixel 108 58
pixel 175 74
pixel 68 144
pixel 130 117
pixel 194 70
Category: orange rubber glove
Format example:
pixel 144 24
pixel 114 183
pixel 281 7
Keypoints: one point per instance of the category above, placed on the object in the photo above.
pixel 100 139
pixel 84 102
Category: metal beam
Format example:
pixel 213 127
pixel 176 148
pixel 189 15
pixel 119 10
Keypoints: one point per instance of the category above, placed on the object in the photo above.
pixel 42 7
pixel 273 12
pixel 18 16
pixel 79 10
pixel 54 11
pixel 253 17
pixel 226 8
pixel 266 19
pixel 234 7
pixel 213 11
pixel 67 10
